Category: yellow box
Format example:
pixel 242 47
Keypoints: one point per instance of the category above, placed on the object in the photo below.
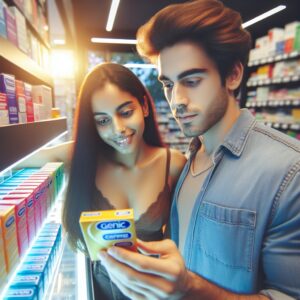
pixel 9 234
pixel 106 228
pixel 3 273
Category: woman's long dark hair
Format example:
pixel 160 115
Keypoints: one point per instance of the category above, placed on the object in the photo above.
pixel 89 147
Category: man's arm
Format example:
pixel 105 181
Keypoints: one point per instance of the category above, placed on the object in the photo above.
pixel 143 277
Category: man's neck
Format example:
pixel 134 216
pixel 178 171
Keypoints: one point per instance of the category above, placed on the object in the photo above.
pixel 215 135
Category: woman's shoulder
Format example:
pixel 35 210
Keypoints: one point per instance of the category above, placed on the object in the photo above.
pixel 177 162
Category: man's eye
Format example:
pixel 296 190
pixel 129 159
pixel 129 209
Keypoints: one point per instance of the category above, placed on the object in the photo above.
pixel 191 82
pixel 167 85
pixel 126 113
pixel 102 122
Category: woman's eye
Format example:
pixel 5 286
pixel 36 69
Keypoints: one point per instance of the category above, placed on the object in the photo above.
pixel 126 113
pixel 102 122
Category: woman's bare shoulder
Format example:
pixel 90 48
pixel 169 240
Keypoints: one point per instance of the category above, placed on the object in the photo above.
pixel 177 163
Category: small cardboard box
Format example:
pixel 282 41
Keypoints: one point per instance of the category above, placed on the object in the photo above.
pixel 107 228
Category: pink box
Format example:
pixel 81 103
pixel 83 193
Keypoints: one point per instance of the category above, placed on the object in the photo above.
pixel 21 221
pixel 29 102
pixel 32 211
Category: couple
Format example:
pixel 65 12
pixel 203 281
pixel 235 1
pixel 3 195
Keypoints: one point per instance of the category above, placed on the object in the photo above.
pixel 235 213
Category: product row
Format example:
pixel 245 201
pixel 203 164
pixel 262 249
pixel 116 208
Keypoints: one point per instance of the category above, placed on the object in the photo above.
pixel 34 275
pixel 25 201
pixel 13 27
pixel 21 102
pixel 278 41
pixel 169 129
pixel 282 71
pixel 270 96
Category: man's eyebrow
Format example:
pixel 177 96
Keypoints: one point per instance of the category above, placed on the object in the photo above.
pixel 191 72
pixel 184 74
pixel 118 108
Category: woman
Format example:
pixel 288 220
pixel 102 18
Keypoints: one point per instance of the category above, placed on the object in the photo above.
pixel 118 160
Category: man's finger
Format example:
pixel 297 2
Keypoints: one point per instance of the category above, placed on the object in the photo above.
pixel 160 267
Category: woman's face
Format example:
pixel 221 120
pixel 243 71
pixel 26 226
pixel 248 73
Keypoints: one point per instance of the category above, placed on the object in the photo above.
pixel 119 118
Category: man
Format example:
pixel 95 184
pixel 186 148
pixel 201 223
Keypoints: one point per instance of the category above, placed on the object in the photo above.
pixel 236 209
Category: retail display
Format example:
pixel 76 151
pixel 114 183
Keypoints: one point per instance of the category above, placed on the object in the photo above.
pixel 169 129
pixel 273 88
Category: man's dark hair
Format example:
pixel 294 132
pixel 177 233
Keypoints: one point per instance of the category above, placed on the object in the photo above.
pixel 208 23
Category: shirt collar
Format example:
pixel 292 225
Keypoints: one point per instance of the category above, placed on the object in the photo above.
pixel 235 139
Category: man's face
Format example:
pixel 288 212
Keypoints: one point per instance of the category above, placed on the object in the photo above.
pixel 192 86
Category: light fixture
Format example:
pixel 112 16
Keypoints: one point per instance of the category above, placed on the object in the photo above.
pixel 112 14
pixel 264 15
pixel 112 41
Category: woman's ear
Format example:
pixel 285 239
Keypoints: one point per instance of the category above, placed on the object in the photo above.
pixel 145 107
pixel 234 79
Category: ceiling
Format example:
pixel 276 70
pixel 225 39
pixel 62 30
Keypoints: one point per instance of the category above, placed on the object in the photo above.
pixel 90 16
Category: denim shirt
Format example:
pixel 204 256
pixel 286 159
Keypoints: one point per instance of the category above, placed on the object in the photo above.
pixel 244 231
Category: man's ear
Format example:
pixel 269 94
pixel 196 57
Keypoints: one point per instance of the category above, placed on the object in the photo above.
pixel 145 107
pixel 234 79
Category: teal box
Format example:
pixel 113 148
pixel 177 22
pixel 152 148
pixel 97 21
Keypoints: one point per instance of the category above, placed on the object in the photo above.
pixel 35 268
pixel 2 21
pixel 34 281
pixel 21 294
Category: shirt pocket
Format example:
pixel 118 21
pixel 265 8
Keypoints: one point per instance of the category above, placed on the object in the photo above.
pixel 226 235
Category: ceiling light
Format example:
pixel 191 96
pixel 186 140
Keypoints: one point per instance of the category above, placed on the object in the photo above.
pixel 112 41
pixel 112 14
pixel 264 15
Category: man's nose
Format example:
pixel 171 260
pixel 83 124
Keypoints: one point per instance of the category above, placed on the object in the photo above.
pixel 179 99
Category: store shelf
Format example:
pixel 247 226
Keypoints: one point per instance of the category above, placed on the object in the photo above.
pixel 14 61
pixel 283 126
pixel 19 140
pixel 277 80
pixel 29 25
pixel 274 103
pixel 271 59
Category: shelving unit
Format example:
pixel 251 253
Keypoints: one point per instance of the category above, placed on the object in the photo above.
pixel 14 61
pixel 19 140
pixel 274 96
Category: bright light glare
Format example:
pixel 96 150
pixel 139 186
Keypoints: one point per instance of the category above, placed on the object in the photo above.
pixel 264 15
pixel 141 66
pixel 59 42
pixel 62 64
pixel 112 41
pixel 112 14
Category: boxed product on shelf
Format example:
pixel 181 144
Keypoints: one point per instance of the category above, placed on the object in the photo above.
pixel 28 197
pixel 21 222
pixel 20 96
pixel 29 102
pixel 34 282
pixel 276 35
pixel 20 293
pixel 4 119
pixel 7 220
pixel 7 86
pixel 11 27
pixel 2 21
pixel 290 30
pixel 3 273
pixel 42 95
pixel 22 42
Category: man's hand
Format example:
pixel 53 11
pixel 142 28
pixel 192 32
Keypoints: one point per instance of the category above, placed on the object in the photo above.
pixel 140 276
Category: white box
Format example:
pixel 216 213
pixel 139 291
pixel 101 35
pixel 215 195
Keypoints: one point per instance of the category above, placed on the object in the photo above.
pixel 21 29
pixel 42 94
